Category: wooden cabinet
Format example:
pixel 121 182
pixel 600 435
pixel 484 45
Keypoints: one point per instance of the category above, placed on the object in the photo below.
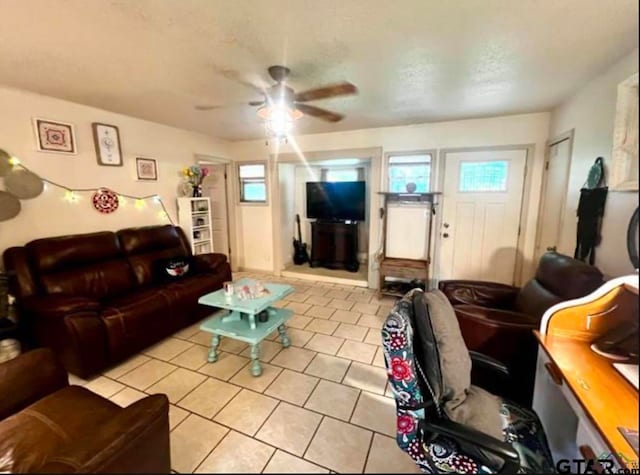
pixel 334 245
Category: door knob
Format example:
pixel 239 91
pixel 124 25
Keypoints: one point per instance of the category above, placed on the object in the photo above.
pixel 445 235
pixel 551 249
pixel 446 225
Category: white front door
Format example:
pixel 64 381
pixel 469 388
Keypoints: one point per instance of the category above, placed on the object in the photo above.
pixel 481 215
pixel 554 196
pixel 215 187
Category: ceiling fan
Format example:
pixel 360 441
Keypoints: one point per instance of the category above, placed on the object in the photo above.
pixel 282 95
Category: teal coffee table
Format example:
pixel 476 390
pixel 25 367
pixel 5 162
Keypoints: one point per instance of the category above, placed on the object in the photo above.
pixel 241 323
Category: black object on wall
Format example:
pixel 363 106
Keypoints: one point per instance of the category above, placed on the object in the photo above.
pixel 593 196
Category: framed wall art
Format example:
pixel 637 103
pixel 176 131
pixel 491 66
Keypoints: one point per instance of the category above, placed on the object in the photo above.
pixel 147 169
pixel 55 137
pixel 106 139
pixel 623 174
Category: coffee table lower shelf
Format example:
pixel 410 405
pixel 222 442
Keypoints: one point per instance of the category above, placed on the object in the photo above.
pixel 236 325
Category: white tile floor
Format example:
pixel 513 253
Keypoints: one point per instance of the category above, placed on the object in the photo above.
pixel 320 405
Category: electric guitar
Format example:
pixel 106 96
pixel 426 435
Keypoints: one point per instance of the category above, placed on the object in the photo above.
pixel 300 253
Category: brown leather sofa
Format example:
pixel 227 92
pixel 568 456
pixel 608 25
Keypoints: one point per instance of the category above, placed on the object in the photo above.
pixel 498 320
pixel 94 298
pixel 47 426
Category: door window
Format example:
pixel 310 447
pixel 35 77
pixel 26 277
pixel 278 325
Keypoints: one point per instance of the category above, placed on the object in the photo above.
pixel 483 176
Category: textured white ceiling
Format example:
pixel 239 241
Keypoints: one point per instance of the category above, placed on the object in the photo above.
pixel 413 60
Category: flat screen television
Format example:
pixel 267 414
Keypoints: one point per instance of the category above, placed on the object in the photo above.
pixel 343 201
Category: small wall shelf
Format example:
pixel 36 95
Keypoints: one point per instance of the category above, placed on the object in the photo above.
pixel 194 217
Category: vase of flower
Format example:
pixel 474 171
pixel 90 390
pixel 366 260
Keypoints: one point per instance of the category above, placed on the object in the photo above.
pixel 194 176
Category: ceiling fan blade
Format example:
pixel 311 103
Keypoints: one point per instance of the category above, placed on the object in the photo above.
pixel 235 76
pixel 333 90
pixel 206 108
pixel 319 113
pixel 211 107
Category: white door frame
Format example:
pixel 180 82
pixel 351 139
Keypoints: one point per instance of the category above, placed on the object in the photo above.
pixel 374 154
pixel 202 159
pixel 569 135
pixel 440 176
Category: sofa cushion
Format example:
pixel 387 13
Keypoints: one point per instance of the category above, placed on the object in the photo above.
pixel 87 265
pixel 29 437
pixel 558 278
pixel 566 277
pixel 143 246
pixel 138 319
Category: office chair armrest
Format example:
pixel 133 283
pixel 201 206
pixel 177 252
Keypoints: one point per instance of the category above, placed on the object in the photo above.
pixel 491 375
pixel 469 436
pixel 485 362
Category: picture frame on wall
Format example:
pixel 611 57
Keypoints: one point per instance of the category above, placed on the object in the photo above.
pixel 147 169
pixel 106 139
pixel 53 136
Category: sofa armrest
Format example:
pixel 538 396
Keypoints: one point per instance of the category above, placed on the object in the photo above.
pixel 136 440
pixel 28 378
pixel 209 262
pixel 58 305
pixel 484 294
pixel 497 317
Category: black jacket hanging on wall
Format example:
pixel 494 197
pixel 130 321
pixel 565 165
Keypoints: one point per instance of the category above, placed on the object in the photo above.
pixel 590 211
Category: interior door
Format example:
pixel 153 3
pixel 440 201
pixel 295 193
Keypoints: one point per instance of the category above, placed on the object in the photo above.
pixel 215 187
pixel 481 215
pixel 554 196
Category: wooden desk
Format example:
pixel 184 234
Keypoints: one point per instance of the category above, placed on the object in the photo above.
pixel 607 398
pixel 582 400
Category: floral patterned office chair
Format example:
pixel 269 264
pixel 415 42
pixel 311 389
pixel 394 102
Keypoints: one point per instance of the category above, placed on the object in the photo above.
pixel 444 426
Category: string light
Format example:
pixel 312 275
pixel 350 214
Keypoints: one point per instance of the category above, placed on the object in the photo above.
pixel 71 195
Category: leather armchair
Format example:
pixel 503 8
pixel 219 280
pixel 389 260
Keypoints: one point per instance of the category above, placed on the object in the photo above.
pixel 47 426
pixel 498 320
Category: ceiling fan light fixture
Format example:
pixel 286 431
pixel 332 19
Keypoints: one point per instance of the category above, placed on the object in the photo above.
pixel 279 119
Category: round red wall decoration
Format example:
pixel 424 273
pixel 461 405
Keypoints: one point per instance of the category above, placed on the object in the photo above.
pixel 105 200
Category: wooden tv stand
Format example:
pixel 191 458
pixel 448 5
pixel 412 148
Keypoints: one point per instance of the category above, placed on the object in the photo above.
pixel 334 245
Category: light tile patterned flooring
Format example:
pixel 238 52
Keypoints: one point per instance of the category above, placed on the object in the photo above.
pixel 320 405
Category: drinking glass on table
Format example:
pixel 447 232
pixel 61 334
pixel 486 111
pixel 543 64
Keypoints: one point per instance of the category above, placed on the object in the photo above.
pixel 228 290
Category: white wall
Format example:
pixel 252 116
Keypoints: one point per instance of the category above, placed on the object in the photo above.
pixel 496 131
pixel 48 214
pixel 591 112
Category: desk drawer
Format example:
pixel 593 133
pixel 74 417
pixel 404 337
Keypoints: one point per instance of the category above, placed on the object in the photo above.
pixel 555 410
pixel 588 439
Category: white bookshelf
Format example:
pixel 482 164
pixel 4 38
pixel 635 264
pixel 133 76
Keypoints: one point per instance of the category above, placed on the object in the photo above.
pixel 194 217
